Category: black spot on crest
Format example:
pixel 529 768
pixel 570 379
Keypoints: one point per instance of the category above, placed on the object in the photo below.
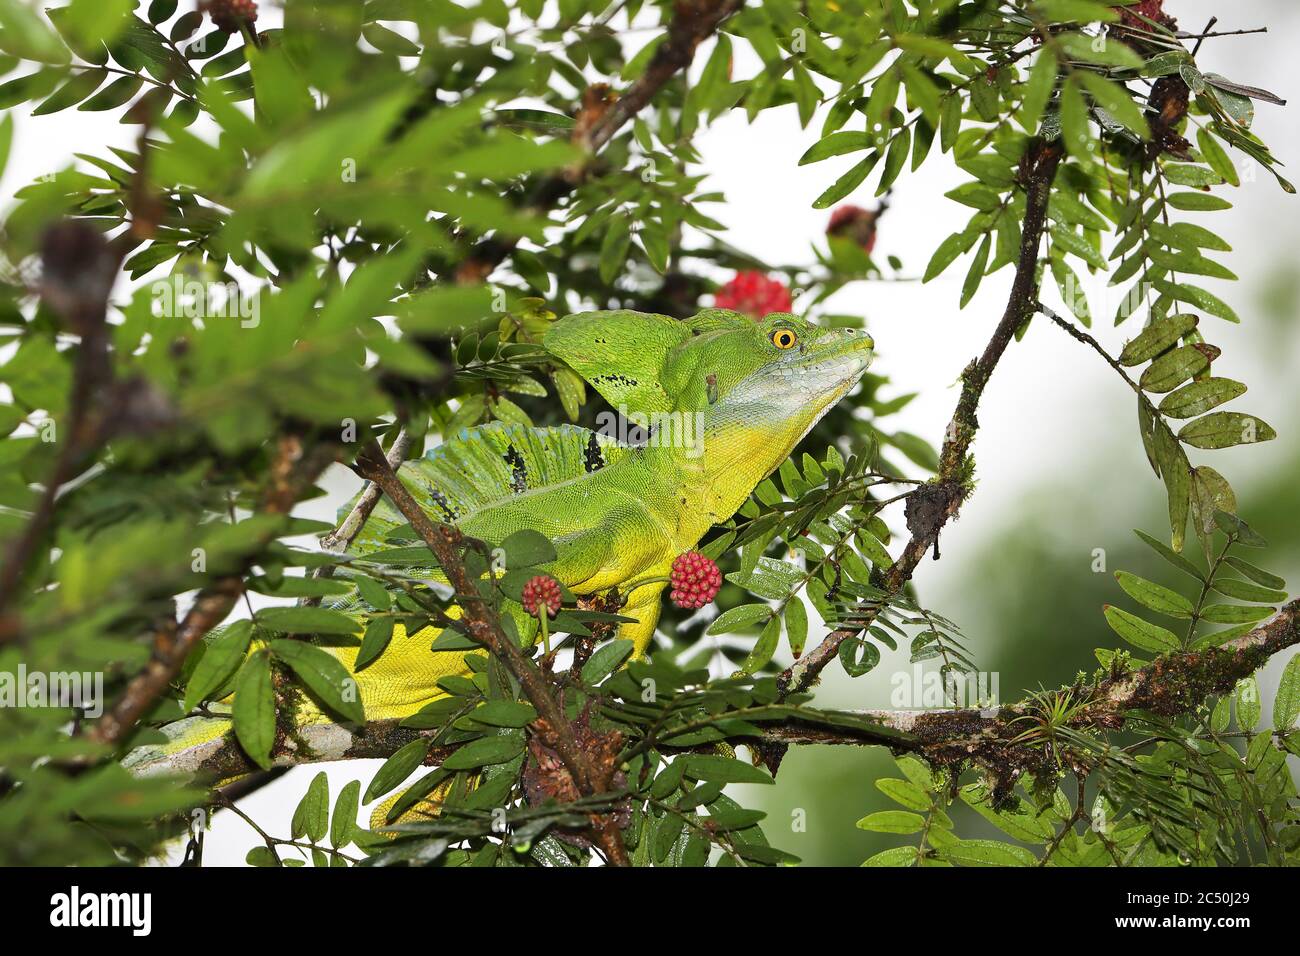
pixel 618 378
pixel 593 459
pixel 448 512
pixel 518 470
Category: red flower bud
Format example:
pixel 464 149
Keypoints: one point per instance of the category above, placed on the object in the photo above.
pixel 1131 16
pixel 856 223
pixel 230 15
pixel 754 294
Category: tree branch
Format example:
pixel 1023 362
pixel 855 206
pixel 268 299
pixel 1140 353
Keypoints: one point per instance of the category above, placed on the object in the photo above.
pixel 341 538
pixel 77 270
pixel 693 22
pixel 932 505
pixel 1170 686
pixel 294 470
pixel 482 625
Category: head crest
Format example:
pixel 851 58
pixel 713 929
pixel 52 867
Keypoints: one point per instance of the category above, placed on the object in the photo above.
pixel 621 353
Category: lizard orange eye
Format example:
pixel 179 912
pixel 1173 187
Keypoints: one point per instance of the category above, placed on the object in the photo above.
pixel 784 339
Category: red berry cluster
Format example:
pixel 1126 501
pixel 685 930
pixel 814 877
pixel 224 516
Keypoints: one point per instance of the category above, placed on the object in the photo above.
pixel 230 15
pixel 754 294
pixel 856 223
pixel 542 593
pixel 695 580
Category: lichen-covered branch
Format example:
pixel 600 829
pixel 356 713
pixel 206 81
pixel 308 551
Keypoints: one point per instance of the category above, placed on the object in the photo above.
pixel 1169 686
pixel 934 504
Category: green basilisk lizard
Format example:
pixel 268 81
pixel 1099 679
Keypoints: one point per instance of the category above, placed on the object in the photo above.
pixel 617 514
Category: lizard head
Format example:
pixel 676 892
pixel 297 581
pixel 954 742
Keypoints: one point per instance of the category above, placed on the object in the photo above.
pixel 764 385
pixel 758 387
pixel 779 369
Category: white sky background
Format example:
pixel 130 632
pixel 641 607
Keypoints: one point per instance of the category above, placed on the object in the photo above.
pixel 1050 403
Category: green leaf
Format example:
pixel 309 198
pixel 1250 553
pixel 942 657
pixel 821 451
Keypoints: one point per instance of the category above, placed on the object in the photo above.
pixel 72 92
pixel 796 625
pixel 836 144
pixel 343 826
pixel 1225 429
pixel 24 34
pixel 975 274
pixel 892 821
pixel 485 751
pixel 1256 574
pixel 262 856
pixel 894 856
pixel 947 252
pixel 114 95
pixel 904 792
pixel 1286 705
pixel 1115 100
pixel 1189 174
pixel 527 548
pixel 723 769
pixel 1197 297
pixel 1074 11
pixel 373 592
pixel 764 648
pixel 1067 240
pixel 1140 633
pixel 605 660
pixel 989 852
pixel 1249 706
pixel 505 713
pixel 324 675
pixel 1018 820
pixel 221 658
pixel 253 710
pixel 312 817
pixel 1170 555
pixel 1176 472
pixel 28 87
pixel 1156 338
pixel 1154 596
pixel 1195 398
pixel 397 768
pixel 1230 524
pixel 1173 368
pixel 1080 46
pixel 738 618
pixel 379 632
pixel 1076 125
pixel 1235 613
pixel 1216 156
pixel 1245 591
pixel 1197 202
pixel 846 183
pixel 858 656
pixel 306 620
pixel 613 249
pixel 1037 90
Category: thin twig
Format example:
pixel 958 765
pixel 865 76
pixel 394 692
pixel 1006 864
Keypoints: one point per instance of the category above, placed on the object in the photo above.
pixel 693 22
pixel 946 493
pixel 294 470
